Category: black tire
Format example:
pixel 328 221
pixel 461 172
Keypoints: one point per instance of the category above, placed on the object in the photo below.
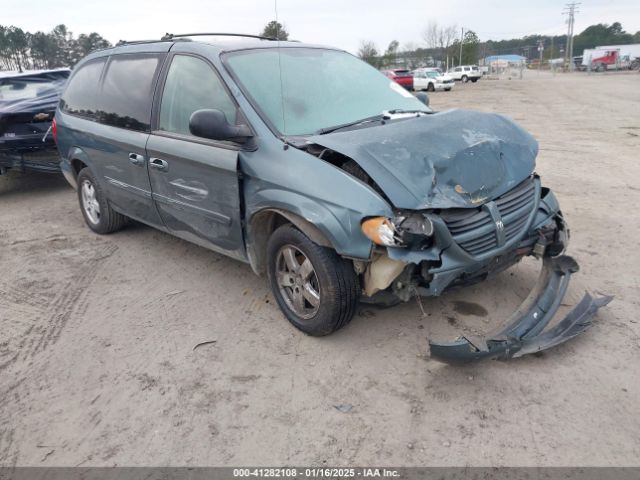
pixel 474 80
pixel 338 285
pixel 431 88
pixel 464 79
pixel 108 220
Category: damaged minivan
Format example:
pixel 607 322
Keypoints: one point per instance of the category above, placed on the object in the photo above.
pixel 321 173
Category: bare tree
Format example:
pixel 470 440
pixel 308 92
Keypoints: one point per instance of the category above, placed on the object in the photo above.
pixel 367 50
pixel 447 35
pixel 431 35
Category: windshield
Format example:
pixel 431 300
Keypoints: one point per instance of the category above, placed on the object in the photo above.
pixel 322 88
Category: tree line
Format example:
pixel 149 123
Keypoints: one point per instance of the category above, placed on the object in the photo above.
pixel 441 44
pixel 21 50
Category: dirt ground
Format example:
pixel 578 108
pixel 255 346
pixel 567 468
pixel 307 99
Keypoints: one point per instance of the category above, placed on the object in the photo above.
pixel 97 334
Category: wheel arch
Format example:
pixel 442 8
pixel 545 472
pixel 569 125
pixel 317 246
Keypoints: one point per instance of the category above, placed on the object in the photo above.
pixel 264 222
pixel 71 165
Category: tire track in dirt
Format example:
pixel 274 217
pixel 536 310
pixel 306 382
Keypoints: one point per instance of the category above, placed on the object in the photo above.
pixel 64 305
pixel 47 323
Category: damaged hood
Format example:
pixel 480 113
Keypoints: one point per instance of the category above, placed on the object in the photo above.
pixel 452 159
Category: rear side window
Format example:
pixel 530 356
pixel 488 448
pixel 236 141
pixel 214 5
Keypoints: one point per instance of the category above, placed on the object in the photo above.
pixel 192 85
pixel 127 90
pixel 80 96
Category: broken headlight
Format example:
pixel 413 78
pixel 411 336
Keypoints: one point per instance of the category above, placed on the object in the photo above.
pixel 398 231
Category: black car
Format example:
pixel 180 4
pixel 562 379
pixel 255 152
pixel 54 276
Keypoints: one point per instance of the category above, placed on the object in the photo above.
pixel 28 103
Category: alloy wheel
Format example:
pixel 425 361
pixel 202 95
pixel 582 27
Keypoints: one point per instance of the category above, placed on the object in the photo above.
pixel 90 202
pixel 297 282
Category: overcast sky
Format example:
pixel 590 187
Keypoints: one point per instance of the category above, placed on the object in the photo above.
pixel 340 23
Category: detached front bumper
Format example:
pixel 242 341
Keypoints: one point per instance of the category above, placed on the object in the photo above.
pixel 524 333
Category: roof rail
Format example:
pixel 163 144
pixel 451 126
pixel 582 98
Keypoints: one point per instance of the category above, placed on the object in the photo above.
pixel 137 42
pixel 171 36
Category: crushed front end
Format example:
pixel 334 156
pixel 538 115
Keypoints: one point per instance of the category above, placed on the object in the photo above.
pixel 432 251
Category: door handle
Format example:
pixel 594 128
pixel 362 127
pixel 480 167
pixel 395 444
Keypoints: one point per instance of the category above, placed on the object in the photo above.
pixel 136 159
pixel 158 164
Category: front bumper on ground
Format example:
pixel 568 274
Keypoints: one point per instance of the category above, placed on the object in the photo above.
pixel 524 332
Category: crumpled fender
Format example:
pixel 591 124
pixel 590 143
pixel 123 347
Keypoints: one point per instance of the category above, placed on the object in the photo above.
pixel 524 334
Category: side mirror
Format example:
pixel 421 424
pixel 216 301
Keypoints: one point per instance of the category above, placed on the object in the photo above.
pixel 213 124
pixel 423 97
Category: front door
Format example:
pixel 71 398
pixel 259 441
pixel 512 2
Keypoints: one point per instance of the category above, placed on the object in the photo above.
pixel 195 181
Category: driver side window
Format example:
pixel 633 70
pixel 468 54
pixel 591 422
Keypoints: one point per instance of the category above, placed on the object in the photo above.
pixel 192 85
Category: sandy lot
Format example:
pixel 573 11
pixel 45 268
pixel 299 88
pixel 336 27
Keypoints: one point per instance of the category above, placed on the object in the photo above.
pixel 97 334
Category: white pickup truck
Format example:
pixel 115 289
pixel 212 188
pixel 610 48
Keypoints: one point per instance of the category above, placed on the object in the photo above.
pixel 465 73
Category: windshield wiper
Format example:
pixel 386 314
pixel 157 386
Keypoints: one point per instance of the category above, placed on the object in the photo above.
pixel 401 110
pixel 374 118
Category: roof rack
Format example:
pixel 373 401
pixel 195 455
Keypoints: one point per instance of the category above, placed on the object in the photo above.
pixel 171 36
pixel 137 42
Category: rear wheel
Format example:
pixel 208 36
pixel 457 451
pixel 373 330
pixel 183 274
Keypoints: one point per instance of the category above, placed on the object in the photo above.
pixel 317 290
pixel 97 212
pixel 430 87
pixel 474 80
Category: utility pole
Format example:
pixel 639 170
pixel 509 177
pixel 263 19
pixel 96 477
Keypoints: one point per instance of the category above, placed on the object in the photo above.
pixel 570 9
pixel 540 49
pixel 552 65
pixel 461 41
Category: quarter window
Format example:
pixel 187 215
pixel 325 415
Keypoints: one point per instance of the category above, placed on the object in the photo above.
pixel 192 85
pixel 80 96
pixel 127 90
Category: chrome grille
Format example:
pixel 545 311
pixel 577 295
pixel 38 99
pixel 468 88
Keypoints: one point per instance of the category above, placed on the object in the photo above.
pixel 477 231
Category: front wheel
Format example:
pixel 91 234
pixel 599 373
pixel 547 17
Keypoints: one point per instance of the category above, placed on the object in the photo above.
pixel 317 290
pixel 464 79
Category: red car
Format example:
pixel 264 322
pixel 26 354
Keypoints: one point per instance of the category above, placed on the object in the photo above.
pixel 401 77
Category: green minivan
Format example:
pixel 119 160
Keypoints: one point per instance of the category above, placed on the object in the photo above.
pixel 316 169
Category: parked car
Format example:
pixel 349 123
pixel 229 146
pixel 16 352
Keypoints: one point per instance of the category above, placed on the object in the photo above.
pixel 28 102
pixel 465 73
pixel 431 80
pixel 401 77
pixel 359 191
